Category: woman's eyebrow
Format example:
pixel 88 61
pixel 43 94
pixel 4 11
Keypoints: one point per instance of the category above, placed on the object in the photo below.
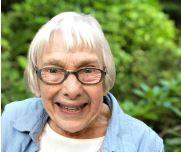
pixel 53 62
pixel 88 63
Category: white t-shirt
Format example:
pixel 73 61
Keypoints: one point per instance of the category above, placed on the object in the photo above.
pixel 53 142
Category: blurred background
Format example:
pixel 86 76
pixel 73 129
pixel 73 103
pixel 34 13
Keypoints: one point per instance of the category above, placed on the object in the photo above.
pixel 145 38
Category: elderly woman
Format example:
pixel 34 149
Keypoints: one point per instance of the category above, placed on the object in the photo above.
pixel 71 70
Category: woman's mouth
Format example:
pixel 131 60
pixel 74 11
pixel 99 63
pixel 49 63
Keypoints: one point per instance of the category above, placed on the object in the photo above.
pixel 71 109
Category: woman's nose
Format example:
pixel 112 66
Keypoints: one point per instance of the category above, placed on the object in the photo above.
pixel 71 87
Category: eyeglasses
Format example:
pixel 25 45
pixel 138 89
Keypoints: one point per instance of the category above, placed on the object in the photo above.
pixel 57 75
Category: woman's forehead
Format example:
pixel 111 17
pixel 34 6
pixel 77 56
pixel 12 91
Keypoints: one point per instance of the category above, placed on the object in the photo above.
pixel 56 53
pixel 77 59
pixel 58 46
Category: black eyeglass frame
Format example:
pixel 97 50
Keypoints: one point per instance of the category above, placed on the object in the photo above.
pixel 67 73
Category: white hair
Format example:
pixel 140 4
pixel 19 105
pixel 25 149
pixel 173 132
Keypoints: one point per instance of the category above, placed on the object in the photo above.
pixel 76 30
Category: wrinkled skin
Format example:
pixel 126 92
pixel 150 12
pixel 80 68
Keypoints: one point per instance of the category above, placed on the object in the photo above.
pixel 92 120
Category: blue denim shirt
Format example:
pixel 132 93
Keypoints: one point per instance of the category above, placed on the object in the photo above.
pixel 23 121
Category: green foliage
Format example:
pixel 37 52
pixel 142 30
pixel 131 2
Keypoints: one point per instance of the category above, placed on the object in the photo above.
pixel 173 9
pixel 160 107
pixel 145 43
pixel 13 86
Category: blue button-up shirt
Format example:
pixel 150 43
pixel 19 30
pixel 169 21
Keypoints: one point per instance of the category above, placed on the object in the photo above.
pixel 23 121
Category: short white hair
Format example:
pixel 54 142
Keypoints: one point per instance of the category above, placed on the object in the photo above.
pixel 76 30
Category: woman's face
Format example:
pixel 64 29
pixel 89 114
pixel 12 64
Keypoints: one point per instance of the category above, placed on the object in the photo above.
pixel 71 106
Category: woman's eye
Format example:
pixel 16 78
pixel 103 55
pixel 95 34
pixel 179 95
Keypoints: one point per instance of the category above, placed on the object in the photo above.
pixel 53 70
pixel 88 70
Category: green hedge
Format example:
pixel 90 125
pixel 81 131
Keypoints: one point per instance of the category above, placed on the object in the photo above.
pixel 145 44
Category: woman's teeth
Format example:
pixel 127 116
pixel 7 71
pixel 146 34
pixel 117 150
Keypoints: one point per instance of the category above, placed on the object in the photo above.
pixel 72 108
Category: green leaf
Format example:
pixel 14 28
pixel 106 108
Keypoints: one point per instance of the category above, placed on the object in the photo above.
pixel 22 61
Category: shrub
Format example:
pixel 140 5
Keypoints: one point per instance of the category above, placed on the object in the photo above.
pixel 159 106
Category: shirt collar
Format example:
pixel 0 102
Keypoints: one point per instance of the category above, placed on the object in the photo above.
pixel 33 121
pixel 111 138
